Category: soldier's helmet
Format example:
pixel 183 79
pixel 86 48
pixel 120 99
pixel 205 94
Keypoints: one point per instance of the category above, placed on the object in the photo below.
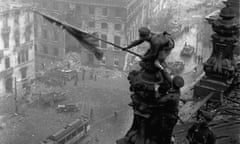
pixel 178 82
pixel 205 118
pixel 144 32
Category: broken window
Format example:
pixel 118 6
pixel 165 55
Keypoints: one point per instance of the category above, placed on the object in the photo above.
pixel 118 12
pixel 91 24
pixel 117 41
pixel 35 47
pixel 5 20
pixel 55 35
pixel 19 58
pixel 23 56
pixel 55 52
pixel 28 31
pixel 79 9
pixel 104 11
pixel 5 37
pixel 56 6
pixel 45 49
pixel 116 62
pixel 27 17
pixel 9 85
pixel 7 62
pixel 103 44
pixel 26 55
pixel 17 37
pixel 71 10
pixel 16 17
pixel 118 27
pixel 91 10
pixel 44 34
pixel 104 25
pixel 23 72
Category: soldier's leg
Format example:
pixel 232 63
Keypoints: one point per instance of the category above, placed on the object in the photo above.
pixel 170 121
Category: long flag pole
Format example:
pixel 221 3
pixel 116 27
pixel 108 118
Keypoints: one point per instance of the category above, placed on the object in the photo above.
pixel 67 24
pixel 119 47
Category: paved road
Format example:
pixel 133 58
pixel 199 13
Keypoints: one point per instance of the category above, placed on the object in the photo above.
pixel 37 122
pixel 191 39
pixel 107 131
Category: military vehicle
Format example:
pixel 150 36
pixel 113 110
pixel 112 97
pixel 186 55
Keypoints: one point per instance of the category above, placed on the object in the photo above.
pixel 176 67
pixel 187 50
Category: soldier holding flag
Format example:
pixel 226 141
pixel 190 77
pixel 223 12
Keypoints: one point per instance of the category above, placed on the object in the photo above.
pixel 160 47
pixel 154 117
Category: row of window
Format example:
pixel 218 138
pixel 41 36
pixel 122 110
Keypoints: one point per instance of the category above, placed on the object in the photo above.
pixel 6 35
pixel 105 11
pixel 16 18
pixel 92 24
pixel 22 57
pixel 117 41
pixel 72 8
pixel 9 80
pixel 117 27
pixel 46 50
pixel 45 34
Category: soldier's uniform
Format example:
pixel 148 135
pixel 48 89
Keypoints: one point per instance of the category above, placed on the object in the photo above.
pixel 155 94
pixel 200 133
pixel 158 43
pixel 144 35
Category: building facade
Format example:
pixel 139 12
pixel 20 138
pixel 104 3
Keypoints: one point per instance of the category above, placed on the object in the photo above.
pixel 16 46
pixel 156 6
pixel 115 21
pixel 49 38
pixel 111 19
pixel 107 19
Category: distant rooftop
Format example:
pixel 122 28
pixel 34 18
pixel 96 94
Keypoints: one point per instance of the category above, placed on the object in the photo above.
pixel 114 3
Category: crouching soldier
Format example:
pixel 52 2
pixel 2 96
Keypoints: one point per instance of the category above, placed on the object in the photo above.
pixel 200 132
pixel 160 47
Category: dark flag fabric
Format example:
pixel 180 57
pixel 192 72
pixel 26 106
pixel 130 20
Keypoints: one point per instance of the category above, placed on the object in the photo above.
pixel 88 41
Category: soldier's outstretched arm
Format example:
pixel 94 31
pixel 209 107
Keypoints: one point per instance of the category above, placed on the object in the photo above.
pixel 134 43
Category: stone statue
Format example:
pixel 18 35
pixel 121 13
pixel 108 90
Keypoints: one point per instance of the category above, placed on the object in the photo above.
pixel 155 95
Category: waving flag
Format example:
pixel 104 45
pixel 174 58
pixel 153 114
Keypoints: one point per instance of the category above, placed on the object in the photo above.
pixel 88 41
